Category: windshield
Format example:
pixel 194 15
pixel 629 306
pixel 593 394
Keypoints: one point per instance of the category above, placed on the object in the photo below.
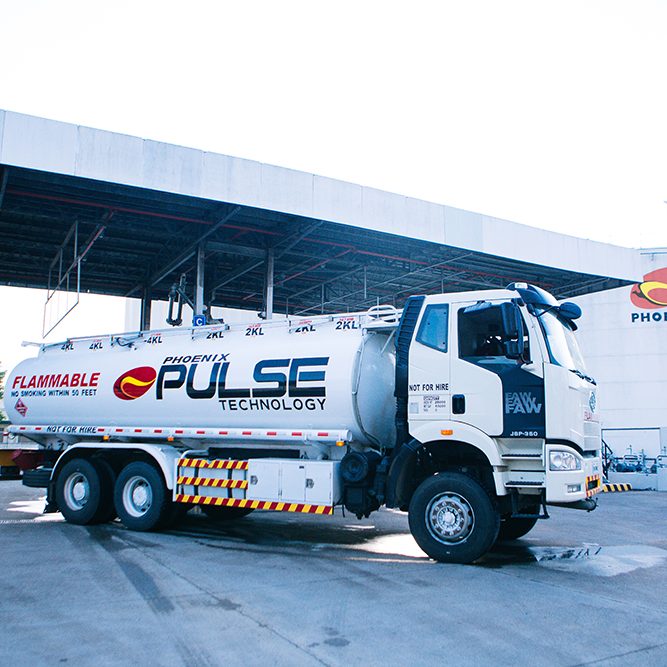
pixel 563 346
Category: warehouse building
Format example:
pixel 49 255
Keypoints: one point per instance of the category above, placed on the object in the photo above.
pixel 623 335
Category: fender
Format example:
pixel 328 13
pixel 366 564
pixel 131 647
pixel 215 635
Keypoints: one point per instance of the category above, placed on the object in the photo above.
pixel 431 431
pixel 401 473
pixel 164 455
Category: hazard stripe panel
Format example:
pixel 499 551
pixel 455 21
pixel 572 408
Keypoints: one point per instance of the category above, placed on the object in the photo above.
pixel 255 504
pixel 593 485
pixel 216 465
pixel 209 481
pixel 611 488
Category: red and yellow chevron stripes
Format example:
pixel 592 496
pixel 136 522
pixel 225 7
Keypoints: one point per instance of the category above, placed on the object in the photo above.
pixel 219 464
pixel 255 504
pixel 593 485
pixel 209 481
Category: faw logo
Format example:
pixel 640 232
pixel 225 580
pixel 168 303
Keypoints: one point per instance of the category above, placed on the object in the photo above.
pixel 135 383
pixel 652 293
pixel 521 402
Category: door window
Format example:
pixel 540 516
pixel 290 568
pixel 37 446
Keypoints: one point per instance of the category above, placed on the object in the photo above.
pixel 433 328
pixel 481 337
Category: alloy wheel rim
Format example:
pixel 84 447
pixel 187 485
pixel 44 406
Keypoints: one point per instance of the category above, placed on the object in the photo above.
pixel 450 518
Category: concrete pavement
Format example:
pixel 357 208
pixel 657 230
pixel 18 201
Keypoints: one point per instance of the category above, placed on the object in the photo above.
pixel 277 589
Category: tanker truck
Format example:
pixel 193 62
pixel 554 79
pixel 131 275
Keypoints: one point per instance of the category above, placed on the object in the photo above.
pixel 472 411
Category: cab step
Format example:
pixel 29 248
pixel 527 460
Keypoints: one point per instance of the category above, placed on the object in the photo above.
pixel 518 483
pixel 521 457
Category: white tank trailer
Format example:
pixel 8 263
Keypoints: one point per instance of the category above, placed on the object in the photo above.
pixel 440 409
pixel 316 375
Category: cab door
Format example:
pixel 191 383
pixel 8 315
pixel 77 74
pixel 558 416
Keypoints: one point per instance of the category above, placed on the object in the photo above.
pixel 428 378
pixel 476 356
pixel 501 396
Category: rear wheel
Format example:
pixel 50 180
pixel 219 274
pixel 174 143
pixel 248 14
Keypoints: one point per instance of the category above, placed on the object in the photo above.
pixel 452 518
pixel 141 497
pixel 219 513
pixel 513 529
pixel 84 492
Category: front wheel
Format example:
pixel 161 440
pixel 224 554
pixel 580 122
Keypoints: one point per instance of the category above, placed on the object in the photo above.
pixel 141 497
pixel 452 518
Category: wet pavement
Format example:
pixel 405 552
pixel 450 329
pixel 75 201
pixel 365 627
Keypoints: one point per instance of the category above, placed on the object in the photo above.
pixel 280 589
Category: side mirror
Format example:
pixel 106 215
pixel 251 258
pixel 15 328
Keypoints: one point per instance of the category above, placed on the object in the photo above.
pixel 513 349
pixel 512 321
pixel 570 310
pixel 513 331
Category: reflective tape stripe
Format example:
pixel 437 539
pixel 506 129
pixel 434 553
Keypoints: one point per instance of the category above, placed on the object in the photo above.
pixel 209 481
pixel 219 464
pixel 595 488
pixel 255 504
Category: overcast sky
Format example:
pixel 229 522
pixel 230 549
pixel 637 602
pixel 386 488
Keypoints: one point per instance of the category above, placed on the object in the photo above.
pixel 547 113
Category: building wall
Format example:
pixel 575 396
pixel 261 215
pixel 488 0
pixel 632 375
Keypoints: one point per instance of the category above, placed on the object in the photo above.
pixel 625 345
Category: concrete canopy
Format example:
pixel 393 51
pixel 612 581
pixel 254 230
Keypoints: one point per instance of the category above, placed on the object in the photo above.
pixel 144 210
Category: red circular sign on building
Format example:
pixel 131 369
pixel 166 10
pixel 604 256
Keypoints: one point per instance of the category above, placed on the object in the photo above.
pixel 652 293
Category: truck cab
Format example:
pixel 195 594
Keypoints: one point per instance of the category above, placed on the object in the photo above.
pixel 492 389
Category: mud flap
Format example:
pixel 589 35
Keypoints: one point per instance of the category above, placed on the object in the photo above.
pixel 401 479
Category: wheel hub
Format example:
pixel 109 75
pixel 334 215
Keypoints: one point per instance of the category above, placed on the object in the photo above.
pixel 76 491
pixel 137 496
pixel 79 491
pixel 449 518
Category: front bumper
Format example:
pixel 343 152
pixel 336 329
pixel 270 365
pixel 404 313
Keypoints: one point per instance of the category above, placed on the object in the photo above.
pixel 571 486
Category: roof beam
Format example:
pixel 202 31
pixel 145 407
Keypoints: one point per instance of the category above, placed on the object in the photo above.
pixel 162 273
pixel 340 276
pixel 237 273
pixel 365 288
pixel 246 251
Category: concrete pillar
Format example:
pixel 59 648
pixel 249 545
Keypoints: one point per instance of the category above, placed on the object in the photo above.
pixel 145 315
pixel 199 279
pixel 268 296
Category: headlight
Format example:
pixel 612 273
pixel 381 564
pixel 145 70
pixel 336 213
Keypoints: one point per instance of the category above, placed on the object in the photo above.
pixel 560 460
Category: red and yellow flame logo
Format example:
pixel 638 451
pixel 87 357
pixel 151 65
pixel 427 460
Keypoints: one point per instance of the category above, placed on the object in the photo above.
pixel 135 383
pixel 652 293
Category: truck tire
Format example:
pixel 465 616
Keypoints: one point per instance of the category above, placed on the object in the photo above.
pixel 141 497
pixel 513 529
pixel 83 492
pixel 225 513
pixel 452 518
pixel 39 478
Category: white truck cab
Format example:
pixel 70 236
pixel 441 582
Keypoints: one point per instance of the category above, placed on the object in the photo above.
pixel 492 384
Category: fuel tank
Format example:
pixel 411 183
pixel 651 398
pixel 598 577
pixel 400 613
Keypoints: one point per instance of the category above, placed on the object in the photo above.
pixel 329 372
